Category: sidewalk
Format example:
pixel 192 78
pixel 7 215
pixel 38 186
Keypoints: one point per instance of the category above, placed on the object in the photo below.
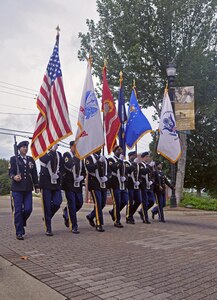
pixel 171 261
pixel 17 284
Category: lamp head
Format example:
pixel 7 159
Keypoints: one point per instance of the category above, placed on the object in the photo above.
pixel 171 69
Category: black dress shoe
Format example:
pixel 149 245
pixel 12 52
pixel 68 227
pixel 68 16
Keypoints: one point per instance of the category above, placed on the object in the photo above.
pixel 49 233
pixel 141 216
pixel 100 228
pixel 66 221
pixel 118 225
pixel 112 215
pixel 130 221
pixel 147 222
pixel 20 237
pixel 91 221
pixel 75 230
pixel 162 221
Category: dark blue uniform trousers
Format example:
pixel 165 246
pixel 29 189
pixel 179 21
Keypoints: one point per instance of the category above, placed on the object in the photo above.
pixel 74 203
pixel 22 209
pixel 120 199
pixel 134 202
pixel 148 200
pixel 52 200
pixel 99 199
pixel 161 199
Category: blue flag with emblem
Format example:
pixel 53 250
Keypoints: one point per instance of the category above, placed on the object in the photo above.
pixel 137 123
pixel 122 116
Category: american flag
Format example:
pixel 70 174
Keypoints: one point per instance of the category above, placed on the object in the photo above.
pixel 53 122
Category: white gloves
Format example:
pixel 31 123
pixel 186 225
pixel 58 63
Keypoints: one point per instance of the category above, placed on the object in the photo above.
pixel 123 178
pixel 137 183
pixel 102 159
pixel 55 176
pixel 136 160
pixel 103 179
pixel 79 178
pixel 152 164
pixel 54 147
pixel 150 182
pixel 121 157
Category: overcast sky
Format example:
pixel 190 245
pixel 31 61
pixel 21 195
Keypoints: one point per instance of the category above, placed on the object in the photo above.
pixel 27 40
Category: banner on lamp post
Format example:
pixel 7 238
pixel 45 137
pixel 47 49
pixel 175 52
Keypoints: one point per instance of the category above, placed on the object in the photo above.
pixel 184 108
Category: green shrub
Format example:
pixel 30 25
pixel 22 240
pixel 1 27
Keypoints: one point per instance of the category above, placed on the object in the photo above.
pixel 5 184
pixel 204 203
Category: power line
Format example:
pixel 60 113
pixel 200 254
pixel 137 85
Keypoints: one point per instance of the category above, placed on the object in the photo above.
pixel 33 98
pixel 14 130
pixel 19 86
pixel 21 131
pixel 6 133
pixel 17 114
pixel 17 95
pixel 61 143
pixel 77 108
pixel 17 107
pixel 9 88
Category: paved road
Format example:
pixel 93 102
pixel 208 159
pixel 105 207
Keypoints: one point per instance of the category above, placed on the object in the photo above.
pixel 171 261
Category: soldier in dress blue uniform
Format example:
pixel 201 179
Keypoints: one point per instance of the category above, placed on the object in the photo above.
pixel 73 179
pixel 50 184
pixel 133 170
pixel 117 185
pixel 23 172
pixel 97 169
pixel 160 183
pixel 146 186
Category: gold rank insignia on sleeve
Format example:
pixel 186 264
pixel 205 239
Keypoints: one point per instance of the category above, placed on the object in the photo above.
pixel 66 159
pixel 87 162
pixel 110 163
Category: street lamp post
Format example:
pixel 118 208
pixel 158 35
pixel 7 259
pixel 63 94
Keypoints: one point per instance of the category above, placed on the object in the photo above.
pixel 171 73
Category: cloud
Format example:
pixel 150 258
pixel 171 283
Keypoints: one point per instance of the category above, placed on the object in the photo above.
pixel 27 40
pixel 26 44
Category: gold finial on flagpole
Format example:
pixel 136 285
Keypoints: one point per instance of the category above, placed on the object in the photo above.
pixel 166 88
pixel 90 56
pixel 58 30
pixel 121 77
pixel 134 83
pixel 105 62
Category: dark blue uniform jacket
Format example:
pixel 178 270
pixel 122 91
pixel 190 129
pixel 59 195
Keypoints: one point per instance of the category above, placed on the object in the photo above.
pixel 28 174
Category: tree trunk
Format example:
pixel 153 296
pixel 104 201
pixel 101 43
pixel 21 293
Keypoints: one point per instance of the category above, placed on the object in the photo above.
pixel 180 175
pixel 198 192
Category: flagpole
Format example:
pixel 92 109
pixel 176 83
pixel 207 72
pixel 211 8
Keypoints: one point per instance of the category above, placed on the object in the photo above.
pixel 58 30
pixel 103 119
pixel 134 87
pixel 122 111
pixel 171 73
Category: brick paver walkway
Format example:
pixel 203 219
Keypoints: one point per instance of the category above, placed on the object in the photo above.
pixel 171 261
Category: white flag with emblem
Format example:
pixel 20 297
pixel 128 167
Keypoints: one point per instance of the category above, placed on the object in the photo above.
pixel 169 143
pixel 90 136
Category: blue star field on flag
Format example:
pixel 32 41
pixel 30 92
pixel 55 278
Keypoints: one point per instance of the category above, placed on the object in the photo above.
pixel 53 68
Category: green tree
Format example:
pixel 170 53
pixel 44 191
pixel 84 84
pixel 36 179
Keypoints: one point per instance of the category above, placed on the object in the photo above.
pixel 202 143
pixel 142 36
pixel 4 179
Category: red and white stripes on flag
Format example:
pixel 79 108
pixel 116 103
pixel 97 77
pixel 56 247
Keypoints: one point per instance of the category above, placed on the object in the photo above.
pixel 53 122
